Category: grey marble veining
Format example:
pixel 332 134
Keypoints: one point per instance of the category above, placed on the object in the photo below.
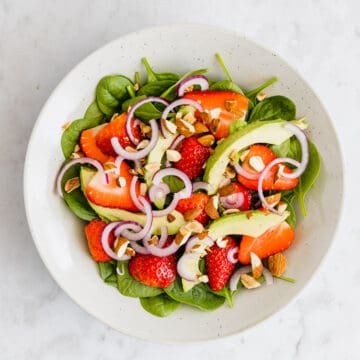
pixel 41 41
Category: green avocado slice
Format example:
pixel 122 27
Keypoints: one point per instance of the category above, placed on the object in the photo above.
pixel 111 214
pixel 268 132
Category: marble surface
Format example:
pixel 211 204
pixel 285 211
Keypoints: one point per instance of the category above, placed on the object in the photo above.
pixel 41 41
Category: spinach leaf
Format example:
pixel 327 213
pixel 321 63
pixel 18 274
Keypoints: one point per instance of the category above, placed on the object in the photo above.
pixel 76 199
pixel 307 179
pixel 174 183
pixel 289 197
pixel 161 305
pixel 153 76
pixel 93 112
pixel 106 269
pixel 155 88
pixel 226 85
pixel 145 112
pixel 226 293
pixel 111 91
pixel 199 296
pixel 272 108
pixel 71 135
pixel 170 93
pixel 283 149
pixel 128 286
pixel 253 93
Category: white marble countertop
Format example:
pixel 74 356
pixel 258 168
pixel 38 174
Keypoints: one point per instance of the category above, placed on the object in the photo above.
pixel 40 41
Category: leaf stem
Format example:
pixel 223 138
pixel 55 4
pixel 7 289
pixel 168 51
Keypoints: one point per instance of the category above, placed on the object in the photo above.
pixel 224 68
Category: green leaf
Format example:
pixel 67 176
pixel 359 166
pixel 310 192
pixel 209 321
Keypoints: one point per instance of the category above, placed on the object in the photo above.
pixel 128 286
pixel 145 112
pixel 71 135
pixel 226 85
pixel 199 296
pixel 161 305
pixel 153 76
pixel 236 125
pixel 111 91
pixel 174 183
pixel 272 108
pixel 253 93
pixel 288 197
pixel 93 112
pixel 106 269
pixel 307 179
pixel 76 199
pixel 156 88
pixel 281 150
pixel 226 293
pixel 224 68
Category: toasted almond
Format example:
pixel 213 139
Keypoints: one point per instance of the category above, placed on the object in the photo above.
pixel 77 148
pixel 184 128
pixel 120 245
pixel 214 124
pixel 192 214
pixel 121 181
pixel 190 118
pixel 109 167
pixel 154 240
pixel 114 117
pixel 152 167
pixel 257 163
pixel 229 173
pixel 169 126
pixel 256 265
pixel 140 171
pixel 249 214
pixel 277 264
pixel 203 235
pixel 145 129
pixel 72 184
pixel 130 149
pixel 249 282
pixel 280 171
pixel 133 172
pixel 230 104
pixel 274 199
pixel 230 211
pixel 76 155
pixel 130 251
pixel 211 210
pixel 200 127
pixel 66 125
pixel 244 155
pixel 221 243
pixel 194 226
pixel 181 237
pixel 282 205
pixel 136 87
pixel 226 190
pixel 261 96
pixel 170 217
pixel 205 117
pixel 142 144
pixel 173 155
pixel 203 278
pixel 233 155
pixel 143 189
pixel 206 140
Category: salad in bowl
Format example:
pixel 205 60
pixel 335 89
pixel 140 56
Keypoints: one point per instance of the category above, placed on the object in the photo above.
pixel 187 185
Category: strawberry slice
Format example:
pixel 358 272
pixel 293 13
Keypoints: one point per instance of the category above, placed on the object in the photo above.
pixel 153 270
pixel 276 239
pixel 93 232
pixel 116 128
pixel 218 267
pixel 232 106
pixel 88 144
pixel 196 201
pixel 272 180
pixel 112 195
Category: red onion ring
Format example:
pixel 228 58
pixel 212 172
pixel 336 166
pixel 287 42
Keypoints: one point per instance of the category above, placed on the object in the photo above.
pixel 141 153
pixel 84 160
pixel 105 239
pixel 118 162
pixel 158 191
pixel 269 279
pixel 235 277
pixel 232 201
pixel 133 195
pixel 175 104
pixel 194 240
pixel 131 114
pixel 169 209
pixel 201 185
pixel 139 248
pixel 232 255
pixel 246 174
pixel 163 237
pixel 192 80
pixel 161 252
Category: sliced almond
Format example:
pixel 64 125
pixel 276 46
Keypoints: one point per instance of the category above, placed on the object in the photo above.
pixel 140 171
pixel 184 128
pixel 121 181
pixel 152 167
pixel 109 166
pixel 261 96
pixel 142 144
pixel 145 129
pixel 277 264
pixel 221 243
pixel 227 190
pixel 282 206
pixel 169 126
pixel 256 265
pixel 206 140
pixel 229 173
pixel 249 282
pixel 194 226
pixel 173 155
pixel 120 245
pixel 72 184
pixel 76 155
pixel 274 199
pixel 77 148
pixel 143 189
pixel 200 127
pixel 171 217
pixel 190 118
pixel 211 210
pixel 181 237
pixel 214 124
pixel 230 104
pixel 130 149
pixel 133 172
pixel 203 278
pixel 192 214
pixel 230 211
pixel 244 155
pixel 233 155
pixel 204 234
pixel 256 162
pixel 154 240
pixel 205 117
pixel 130 252
pixel 136 87
pixel 114 117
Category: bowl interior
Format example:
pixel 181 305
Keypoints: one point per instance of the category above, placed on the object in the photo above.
pixel 59 235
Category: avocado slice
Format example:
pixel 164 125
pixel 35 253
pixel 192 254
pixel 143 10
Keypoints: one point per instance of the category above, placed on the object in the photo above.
pixel 252 223
pixel 111 214
pixel 269 132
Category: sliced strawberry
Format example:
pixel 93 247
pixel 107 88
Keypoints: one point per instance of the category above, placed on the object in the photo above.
pixel 272 180
pixel 93 232
pixel 218 267
pixel 278 238
pixel 116 128
pixel 153 270
pixel 193 157
pixel 232 106
pixel 196 201
pixel 88 144
pixel 112 195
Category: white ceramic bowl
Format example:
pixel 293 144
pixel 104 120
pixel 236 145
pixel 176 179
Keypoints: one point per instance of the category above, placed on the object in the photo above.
pixel 58 235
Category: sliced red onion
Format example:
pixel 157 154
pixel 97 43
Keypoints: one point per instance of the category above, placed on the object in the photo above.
pixel 173 146
pixel 161 252
pixel 141 153
pixel 246 174
pixel 304 152
pixel 173 105
pixel 194 240
pixel 132 225
pixel 232 201
pixel 158 191
pixel 134 107
pixel 269 279
pixel 232 255
pixel 105 240
pixel 133 195
pixel 140 249
pixel 147 227
pixel 169 209
pixel 235 277
pixel 200 80
pixel 164 236
pixel 84 160
pixel 263 176
pixel 201 185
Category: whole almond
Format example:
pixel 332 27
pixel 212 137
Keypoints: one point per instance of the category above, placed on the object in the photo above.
pixel 277 264
pixel 211 210
pixel 192 214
